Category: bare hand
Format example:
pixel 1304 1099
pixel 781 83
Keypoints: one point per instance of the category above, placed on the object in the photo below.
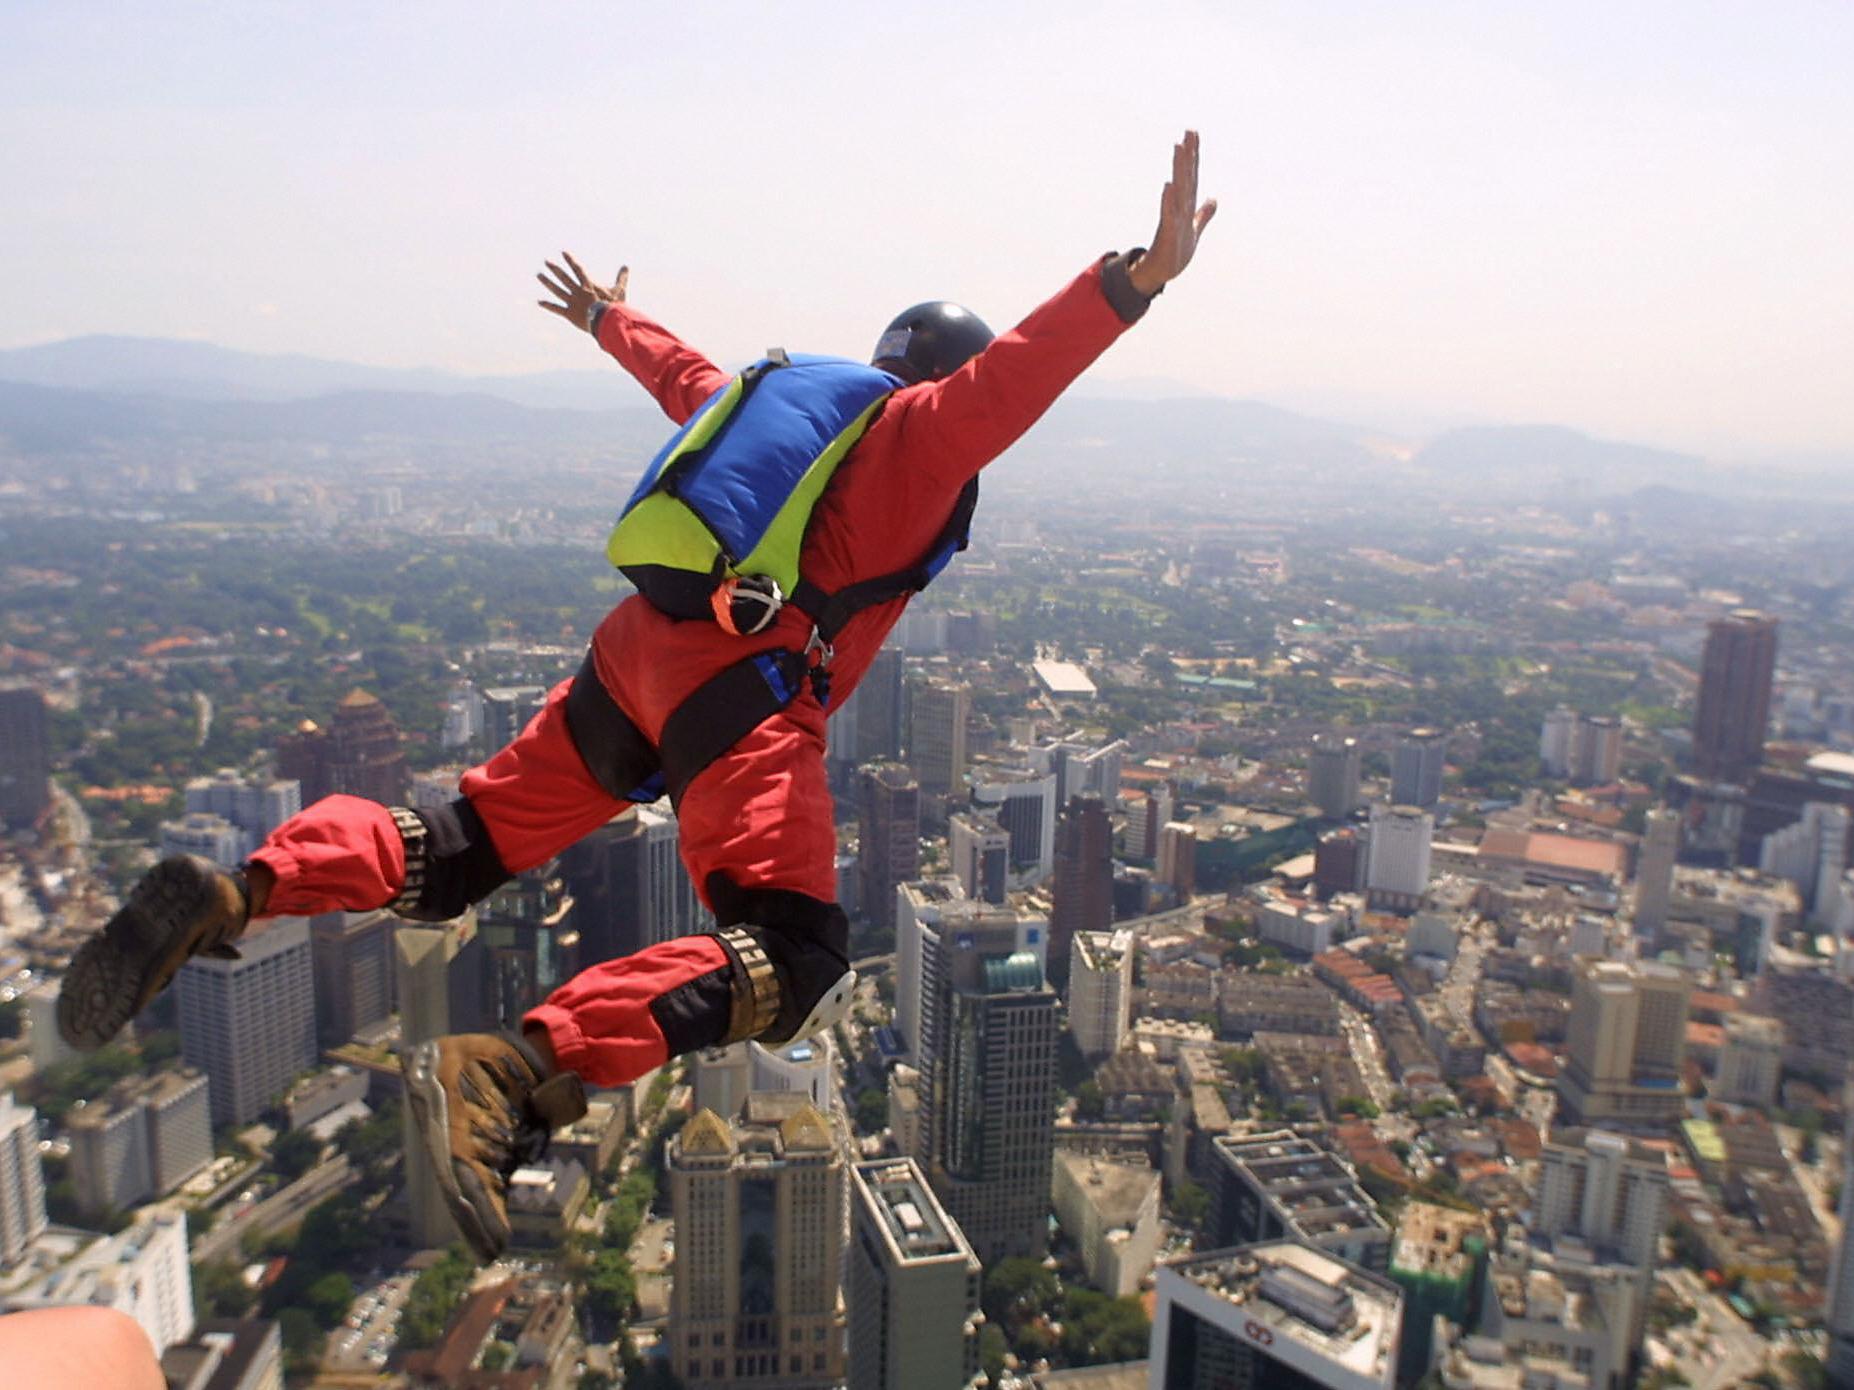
pixel 1181 222
pixel 576 292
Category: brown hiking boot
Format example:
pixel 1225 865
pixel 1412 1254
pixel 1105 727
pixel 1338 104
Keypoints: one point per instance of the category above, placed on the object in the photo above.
pixel 184 906
pixel 485 1106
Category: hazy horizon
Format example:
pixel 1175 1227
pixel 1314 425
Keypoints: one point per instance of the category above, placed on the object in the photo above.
pixel 1632 222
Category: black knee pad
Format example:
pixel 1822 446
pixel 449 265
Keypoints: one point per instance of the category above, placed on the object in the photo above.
pixel 807 941
pixel 450 866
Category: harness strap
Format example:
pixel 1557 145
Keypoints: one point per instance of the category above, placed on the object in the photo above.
pixel 614 749
pixel 720 713
pixel 830 613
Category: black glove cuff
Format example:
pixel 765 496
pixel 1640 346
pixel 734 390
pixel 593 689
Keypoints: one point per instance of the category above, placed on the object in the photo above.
pixel 1117 285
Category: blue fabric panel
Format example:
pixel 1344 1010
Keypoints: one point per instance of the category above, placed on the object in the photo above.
pixel 791 417
pixel 655 468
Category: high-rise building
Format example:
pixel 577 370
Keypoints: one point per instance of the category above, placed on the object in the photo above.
pixel 606 873
pixel 929 913
pixel 939 711
pixel 1082 896
pixel 991 1076
pixel 1338 863
pixel 525 929
pixel 141 1140
pixel 878 700
pixel 257 808
pixel 1573 1324
pixel 440 971
pixel 1607 1190
pixel 1397 859
pixel 22 1180
pixel 25 756
pixel 889 844
pixel 507 710
pixel 1654 870
pixel 1812 853
pixel 1025 804
pixel 1100 992
pixel 1082 767
pixel 206 835
pixel 1733 711
pixel 760 1211
pixel 142 1271
pixel 911 1283
pixel 249 1023
pixel 1147 813
pixel 363 757
pixel 672 907
pixel 629 886
pixel 1627 1036
pixel 1416 768
pixel 352 955
pixel 1110 1210
pixel 463 716
pixel 1556 742
pixel 1437 1259
pixel 1333 768
pixel 1596 750
pixel 980 849
pixel 1177 864
pixel 1750 1061
pixel 1280 1315
pixel 1281 1184
pixel 357 755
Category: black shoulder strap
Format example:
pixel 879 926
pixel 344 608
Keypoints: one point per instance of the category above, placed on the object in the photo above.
pixel 830 612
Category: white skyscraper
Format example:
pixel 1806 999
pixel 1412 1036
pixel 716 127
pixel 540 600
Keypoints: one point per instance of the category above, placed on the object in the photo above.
pixel 1606 1189
pixel 911 1284
pixel 1100 991
pixel 1397 863
pixel 142 1272
pixel 1654 870
pixel 22 1180
pixel 1555 741
pixel 209 836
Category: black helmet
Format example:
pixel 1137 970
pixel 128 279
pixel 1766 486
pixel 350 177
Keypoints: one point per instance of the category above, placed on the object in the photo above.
pixel 930 341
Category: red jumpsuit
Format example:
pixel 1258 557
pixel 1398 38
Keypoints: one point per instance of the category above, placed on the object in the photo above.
pixel 761 814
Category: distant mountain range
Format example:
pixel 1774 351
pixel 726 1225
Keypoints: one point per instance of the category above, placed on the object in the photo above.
pixel 65 397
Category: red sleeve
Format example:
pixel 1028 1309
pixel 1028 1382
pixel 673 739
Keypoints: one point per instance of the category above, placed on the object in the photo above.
pixel 676 374
pixel 954 427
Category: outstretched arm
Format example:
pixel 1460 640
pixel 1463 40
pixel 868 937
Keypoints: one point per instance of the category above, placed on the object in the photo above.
pixel 676 374
pixel 963 422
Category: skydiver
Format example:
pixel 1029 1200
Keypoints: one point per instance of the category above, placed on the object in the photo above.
pixel 755 822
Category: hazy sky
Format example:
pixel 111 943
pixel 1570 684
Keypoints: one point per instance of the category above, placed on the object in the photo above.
pixel 1636 218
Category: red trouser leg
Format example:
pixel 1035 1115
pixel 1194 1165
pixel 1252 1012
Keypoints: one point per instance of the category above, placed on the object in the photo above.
pixel 535 798
pixel 618 1020
pixel 761 815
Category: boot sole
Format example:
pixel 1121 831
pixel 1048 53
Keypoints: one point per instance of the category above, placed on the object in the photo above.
pixel 431 1115
pixel 118 971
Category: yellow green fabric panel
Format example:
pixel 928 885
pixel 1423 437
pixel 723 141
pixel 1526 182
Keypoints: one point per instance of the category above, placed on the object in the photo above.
pixel 662 531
